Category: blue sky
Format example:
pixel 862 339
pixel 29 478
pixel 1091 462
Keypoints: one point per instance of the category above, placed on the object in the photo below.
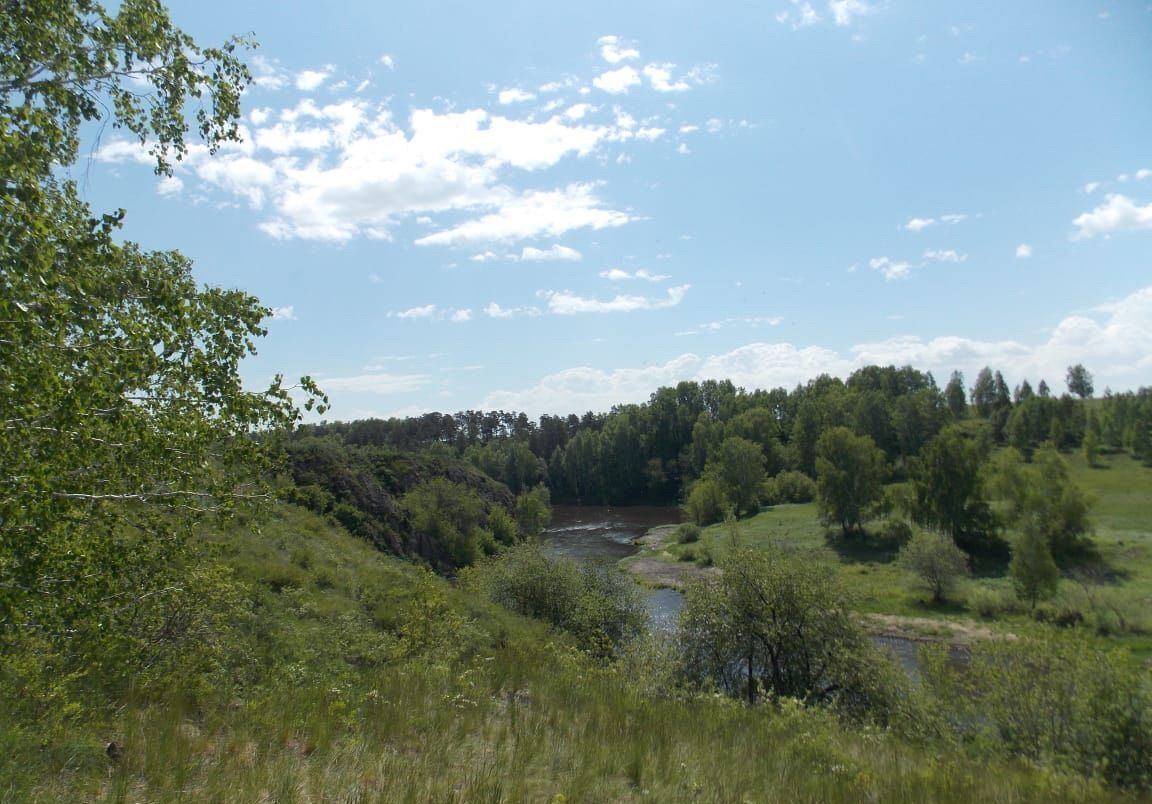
pixel 557 209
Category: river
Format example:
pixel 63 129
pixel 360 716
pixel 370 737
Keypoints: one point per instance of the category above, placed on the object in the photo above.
pixel 604 535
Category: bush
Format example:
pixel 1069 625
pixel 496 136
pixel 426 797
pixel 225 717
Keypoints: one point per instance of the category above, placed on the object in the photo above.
pixel 789 487
pixel 936 562
pixel 603 610
pixel 1055 699
pixel 707 503
pixel 991 604
pixel 688 533
pixel 776 623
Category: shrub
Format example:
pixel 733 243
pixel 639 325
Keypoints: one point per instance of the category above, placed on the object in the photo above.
pixel 688 533
pixel 789 487
pixel 707 503
pixel 777 623
pixel 936 562
pixel 602 609
pixel 1055 699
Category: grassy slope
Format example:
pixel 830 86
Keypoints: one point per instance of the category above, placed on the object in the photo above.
pixel 1122 517
pixel 370 681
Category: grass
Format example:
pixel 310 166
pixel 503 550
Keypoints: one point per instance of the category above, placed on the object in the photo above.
pixel 368 680
pixel 1121 604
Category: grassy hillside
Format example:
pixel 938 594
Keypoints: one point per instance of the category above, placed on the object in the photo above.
pixel 355 677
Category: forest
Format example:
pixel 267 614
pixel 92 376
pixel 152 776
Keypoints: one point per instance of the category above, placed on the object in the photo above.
pixel 202 598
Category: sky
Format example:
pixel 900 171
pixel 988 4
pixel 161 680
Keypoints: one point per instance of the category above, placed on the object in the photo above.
pixel 560 207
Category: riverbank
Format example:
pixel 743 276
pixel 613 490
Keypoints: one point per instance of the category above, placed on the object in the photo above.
pixel 655 566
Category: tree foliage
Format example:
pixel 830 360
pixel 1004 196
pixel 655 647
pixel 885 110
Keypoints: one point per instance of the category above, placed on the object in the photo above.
pixel 1042 498
pixel 776 624
pixel 948 491
pixel 124 414
pixel 1079 381
pixel 936 562
pixel 738 468
pixel 849 474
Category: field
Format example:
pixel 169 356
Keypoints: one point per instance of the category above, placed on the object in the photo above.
pixel 1114 595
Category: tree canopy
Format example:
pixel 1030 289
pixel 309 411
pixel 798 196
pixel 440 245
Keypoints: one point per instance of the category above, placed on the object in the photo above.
pixel 124 410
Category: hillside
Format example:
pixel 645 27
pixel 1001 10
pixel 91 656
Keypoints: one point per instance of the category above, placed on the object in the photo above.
pixel 355 677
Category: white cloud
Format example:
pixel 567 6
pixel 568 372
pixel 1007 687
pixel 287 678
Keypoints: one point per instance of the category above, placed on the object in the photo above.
pixel 618 274
pixel 616 82
pixel 942 255
pixel 460 316
pixel 567 303
pixel 534 214
pixel 1091 186
pixel 487 256
pixel 892 269
pixel 286 313
pixel 557 253
pixel 376 383
pixel 660 77
pixel 169 185
pixel 844 11
pixel 650 133
pixel 494 310
pixel 1117 214
pixel 577 111
pixel 308 80
pixel 800 16
pixel 388 61
pixel 427 311
pixel 920 224
pixel 514 95
pixel 1023 251
pixel 613 51
pixel 585 388
pixel 1116 345
pixel 1143 173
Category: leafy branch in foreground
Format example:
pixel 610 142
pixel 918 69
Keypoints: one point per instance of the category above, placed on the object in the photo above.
pixel 123 415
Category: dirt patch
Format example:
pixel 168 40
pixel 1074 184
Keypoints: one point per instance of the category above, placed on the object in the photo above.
pixel 667 574
pixel 924 629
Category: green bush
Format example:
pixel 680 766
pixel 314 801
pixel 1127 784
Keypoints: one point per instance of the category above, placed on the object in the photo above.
pixel 789 487
pixel 1055 699
pixel 602 609
pixel 687 533
pixel 707 503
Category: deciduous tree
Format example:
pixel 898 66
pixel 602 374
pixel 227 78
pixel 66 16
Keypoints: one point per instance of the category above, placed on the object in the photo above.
pixel 849 474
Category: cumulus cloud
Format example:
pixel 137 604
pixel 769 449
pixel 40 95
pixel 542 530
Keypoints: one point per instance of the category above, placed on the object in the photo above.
pixel 617 82
pixel 801 15
pixel 557 253
pixel 352 168
pixel 565 302
pixel 514 95
pixel 618 274
pixel 1023 251
pixel 1118 213
pixel 845 11
pixel 169 185
pixel 388 61
pixel 613 51
pixel 460 316
pixel 427 311
pixel 1116 343
pixel 534 214
pixel 660 77
pixel 494 310
pixel 308 80
pixel 892 269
